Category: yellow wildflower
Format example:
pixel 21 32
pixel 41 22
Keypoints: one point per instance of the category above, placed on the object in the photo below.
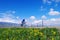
pixel 35 34
pixel 7 39
pixel 41 34
pixel 54 33
pixel 36 30
pixel 52 38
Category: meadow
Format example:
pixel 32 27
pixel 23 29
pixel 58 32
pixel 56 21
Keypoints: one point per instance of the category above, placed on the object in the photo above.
pixel 29 34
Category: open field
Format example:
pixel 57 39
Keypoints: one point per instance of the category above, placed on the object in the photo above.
pixel 30 33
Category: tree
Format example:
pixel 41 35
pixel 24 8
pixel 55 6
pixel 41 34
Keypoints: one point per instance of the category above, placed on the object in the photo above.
pixel 23 22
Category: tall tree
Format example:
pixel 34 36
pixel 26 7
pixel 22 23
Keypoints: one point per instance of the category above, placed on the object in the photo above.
pixel 23 22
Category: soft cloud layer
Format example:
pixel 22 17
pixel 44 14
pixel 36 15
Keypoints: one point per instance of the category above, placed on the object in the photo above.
pixel 57 0
pixel 32 17
pixel 52 12
pixel 32 20
pixel 49 2
pixel 43 17
pixel 8 16
pixel 48 22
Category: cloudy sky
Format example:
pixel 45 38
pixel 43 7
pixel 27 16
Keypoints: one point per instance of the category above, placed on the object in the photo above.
pixel 31 10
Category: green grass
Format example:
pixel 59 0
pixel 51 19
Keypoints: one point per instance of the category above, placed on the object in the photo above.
pixel 29 34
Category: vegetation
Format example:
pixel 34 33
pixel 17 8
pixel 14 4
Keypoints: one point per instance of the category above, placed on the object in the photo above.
pixel 23 23
pixel 29 34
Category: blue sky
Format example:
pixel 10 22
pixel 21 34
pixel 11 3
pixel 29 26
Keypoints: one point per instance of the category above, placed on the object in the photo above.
pixel 27 8
pixel 23 8
pixel 33 9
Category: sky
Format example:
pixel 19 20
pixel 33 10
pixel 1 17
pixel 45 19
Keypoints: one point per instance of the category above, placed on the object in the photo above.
pixel 32 10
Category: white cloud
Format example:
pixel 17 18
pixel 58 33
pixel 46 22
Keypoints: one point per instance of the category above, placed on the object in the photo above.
pixel 44 1
pixel 43 17
pixel 52 19
pixel 11 12
pixel 47 1
pixel 52 12
pixel 17 17
pixel 57 0
pixel 52 22
pixel 47 22
pixel 36 21
pixel 8 16
pixel 32 17
pixel 51 9
pixel 42 8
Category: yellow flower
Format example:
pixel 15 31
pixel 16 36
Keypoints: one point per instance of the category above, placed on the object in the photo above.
pixel 53 38
pixel 35 34
pixel 54 33
pixel 7 39
pixel 36 30
pixel 41 34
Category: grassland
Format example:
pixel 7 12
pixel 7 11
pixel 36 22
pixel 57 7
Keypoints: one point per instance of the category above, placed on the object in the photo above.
pixel 29 34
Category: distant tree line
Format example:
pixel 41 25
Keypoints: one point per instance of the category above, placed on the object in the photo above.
pixel 23 23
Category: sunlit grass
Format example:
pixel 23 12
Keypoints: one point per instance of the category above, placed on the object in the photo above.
pixel 29 34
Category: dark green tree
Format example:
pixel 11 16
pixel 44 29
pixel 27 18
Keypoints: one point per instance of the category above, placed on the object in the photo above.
pixel 23 22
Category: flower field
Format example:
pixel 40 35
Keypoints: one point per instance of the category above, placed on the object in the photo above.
pixel 29 34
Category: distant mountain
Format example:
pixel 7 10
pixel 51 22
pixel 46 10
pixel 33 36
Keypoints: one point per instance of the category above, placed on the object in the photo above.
pixel 7 24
